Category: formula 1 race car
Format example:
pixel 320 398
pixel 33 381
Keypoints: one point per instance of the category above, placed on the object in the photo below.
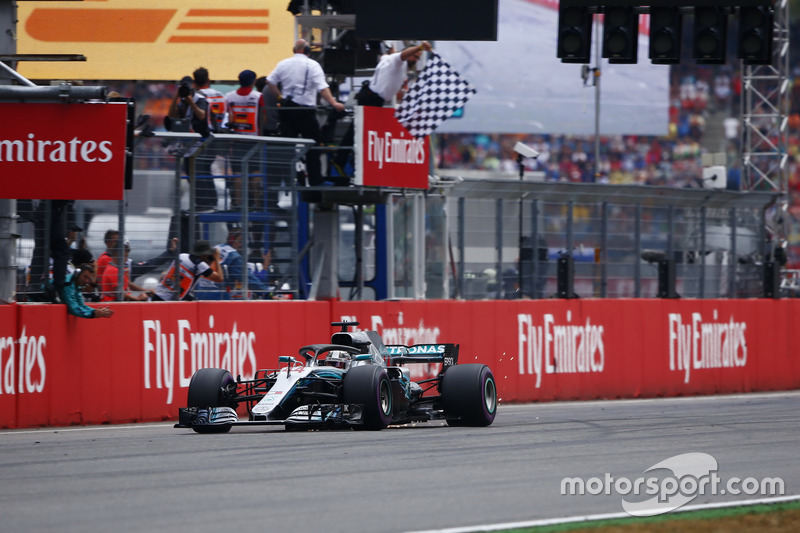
pixel 355 381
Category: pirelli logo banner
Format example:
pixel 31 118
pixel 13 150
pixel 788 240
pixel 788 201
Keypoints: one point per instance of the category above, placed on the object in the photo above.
pixel 63 151
pixel 154 39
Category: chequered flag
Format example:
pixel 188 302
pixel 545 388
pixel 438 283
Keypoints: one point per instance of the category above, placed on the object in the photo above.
pixel 438 92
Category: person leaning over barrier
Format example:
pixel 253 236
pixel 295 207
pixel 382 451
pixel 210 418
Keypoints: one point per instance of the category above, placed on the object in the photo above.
pixel 71 294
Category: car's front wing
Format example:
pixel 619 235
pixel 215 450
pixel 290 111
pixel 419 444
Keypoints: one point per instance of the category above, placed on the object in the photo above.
pixel 315 415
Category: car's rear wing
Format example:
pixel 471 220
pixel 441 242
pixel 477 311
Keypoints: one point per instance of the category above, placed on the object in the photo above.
pixel 446 353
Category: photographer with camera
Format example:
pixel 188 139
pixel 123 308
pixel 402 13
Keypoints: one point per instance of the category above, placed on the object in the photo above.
pixel 203 261
pixel 191 111
pixel 188 111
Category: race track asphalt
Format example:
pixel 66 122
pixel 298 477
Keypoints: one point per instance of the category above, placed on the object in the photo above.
pixel 151 477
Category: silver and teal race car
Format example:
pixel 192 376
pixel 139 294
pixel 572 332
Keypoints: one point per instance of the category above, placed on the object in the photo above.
pixel 354 381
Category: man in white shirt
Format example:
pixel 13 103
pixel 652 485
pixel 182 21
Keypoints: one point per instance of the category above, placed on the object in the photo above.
pixel 388 79
pixel 301 80
pixel 390 75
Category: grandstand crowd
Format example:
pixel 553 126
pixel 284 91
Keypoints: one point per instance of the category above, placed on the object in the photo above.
pixel 699 96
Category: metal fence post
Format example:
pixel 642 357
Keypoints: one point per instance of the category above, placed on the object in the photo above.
pixel 637 265
pixel 702 252
pixel 537 266
pixel 460 246
pixel 246 216
pixel 498 231
pixel 603 256
pixel 733 257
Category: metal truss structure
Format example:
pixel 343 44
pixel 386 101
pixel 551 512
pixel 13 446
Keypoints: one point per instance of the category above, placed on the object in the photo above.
pixel 765 114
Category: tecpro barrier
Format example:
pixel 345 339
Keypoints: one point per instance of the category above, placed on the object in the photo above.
pixel 59 370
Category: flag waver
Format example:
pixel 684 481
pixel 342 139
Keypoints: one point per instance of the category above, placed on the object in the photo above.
pixel 438 92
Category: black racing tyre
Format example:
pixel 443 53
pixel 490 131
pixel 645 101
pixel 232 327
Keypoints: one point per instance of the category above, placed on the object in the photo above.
pixel 369 386
pixel 205 390
pixel 469 395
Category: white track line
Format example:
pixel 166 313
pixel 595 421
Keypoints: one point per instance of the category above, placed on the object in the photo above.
pixel 607 516
pixel 103 427
pixel 698 398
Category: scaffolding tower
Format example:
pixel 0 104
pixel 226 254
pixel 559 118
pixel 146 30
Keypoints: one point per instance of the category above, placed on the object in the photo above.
pixel 765 114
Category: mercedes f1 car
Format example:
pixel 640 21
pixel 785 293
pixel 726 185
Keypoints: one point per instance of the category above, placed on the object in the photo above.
pixel 355 381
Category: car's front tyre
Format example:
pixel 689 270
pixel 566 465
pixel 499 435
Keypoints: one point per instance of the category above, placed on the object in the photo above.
pixel 207 389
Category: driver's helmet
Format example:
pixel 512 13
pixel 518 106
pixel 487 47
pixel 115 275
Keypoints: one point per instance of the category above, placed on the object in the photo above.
pixel 338 358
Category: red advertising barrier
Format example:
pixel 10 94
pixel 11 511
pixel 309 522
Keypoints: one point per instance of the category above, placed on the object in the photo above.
pixel 58 370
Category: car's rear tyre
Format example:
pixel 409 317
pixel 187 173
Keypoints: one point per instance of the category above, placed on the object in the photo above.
pixel 206 390
pixel 469 395
pixel 369 386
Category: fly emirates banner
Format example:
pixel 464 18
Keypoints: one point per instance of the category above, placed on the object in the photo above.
pixel 386 154
pixel 63 151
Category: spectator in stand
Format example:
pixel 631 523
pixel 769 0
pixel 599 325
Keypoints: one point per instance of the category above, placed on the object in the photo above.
pixel 216 100
pixel 205 190
pixel 301 79
pixel 232 264
pixel 71 294
pixel 148 265
pixel 203 261
pixel 110 282
pixel 82 256
pixel 137 269
pixel 111 239
pixel 244 107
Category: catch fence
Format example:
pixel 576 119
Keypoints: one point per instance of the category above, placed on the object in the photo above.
pixel 492 236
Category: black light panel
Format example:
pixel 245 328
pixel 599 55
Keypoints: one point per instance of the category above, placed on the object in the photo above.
pixel 433 20
pixel 665 35
pixel 755 35
pixel 574 43
pixel 620 34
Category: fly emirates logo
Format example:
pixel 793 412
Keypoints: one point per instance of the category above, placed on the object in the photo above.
pixel 22 362
pixel 75 150
pixel 397 331
pixel 191 350
pixel 697 343
pixel 559 347
pixel 382 148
